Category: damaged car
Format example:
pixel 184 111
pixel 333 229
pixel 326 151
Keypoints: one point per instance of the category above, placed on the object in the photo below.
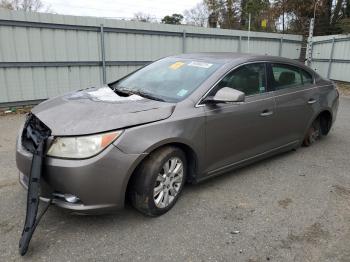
pixel 180 119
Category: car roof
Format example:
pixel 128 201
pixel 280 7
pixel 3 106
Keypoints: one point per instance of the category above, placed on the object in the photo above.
pixel 221 57
pixel 237 58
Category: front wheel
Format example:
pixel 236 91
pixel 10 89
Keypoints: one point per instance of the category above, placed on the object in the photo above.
pixel 159 180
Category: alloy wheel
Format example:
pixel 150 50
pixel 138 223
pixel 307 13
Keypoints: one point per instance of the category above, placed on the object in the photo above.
pixel 168 182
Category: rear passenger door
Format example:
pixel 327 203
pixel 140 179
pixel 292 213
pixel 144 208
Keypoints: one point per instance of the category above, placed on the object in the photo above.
pixel 295 96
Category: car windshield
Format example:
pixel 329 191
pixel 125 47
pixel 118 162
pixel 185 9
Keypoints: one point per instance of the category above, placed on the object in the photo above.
pixel 168 79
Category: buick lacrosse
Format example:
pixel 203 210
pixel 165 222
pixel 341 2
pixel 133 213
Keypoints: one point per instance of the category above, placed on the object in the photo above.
pixel 181 118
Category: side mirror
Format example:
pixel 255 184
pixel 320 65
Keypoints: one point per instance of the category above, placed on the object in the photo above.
pixel 225 95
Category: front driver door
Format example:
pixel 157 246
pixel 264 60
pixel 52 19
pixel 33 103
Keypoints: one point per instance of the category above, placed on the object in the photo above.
pixel 239 131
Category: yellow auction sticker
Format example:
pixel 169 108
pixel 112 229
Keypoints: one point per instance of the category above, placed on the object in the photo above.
pixel 176 65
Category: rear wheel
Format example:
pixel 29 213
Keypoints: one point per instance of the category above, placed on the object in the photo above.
pixel 159 180
pixel 314 133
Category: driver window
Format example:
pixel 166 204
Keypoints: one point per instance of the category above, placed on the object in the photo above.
pixel 249 79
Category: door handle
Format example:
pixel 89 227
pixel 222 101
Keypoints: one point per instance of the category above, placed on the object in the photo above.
pixel 266 112
pixel 311 101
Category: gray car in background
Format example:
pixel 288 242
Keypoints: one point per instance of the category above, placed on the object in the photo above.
pixel 182 118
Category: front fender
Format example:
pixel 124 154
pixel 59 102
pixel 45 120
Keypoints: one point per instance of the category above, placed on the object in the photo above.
pixel 146 138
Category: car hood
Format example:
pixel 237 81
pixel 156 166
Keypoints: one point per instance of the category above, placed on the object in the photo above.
pixel 96 110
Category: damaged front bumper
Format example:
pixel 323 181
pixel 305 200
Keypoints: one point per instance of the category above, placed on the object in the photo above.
pixel 99 182
pixel 60 200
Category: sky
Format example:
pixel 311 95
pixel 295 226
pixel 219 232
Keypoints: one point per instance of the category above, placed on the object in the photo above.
pixel 119 8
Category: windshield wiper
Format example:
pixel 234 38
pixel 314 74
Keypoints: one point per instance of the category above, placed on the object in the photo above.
pixel 122 91
pixel 126 91
pixel 147 95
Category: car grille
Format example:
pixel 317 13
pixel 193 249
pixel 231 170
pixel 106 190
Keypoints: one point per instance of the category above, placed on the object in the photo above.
pixel 33 132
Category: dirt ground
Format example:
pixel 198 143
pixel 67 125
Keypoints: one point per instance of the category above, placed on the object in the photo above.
pixel 344 88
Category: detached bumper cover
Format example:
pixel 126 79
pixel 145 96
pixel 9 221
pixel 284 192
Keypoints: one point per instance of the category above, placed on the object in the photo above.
pixel 35 137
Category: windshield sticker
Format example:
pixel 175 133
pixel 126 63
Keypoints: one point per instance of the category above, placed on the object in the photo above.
pixel 182 92
pixel 176 65
pixel 200 64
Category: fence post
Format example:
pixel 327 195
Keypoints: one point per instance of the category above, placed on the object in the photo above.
pixel 250 17
pixel 280 47
pixel 103 55
pixel 184 41
pixel 309 43
pixel 330 59
pixel 240 44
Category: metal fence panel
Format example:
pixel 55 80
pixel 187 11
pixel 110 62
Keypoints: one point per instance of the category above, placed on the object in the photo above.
pixel 320 67
pixel 45 55
pixel 331 56
pixel 116 72
pixel 340 71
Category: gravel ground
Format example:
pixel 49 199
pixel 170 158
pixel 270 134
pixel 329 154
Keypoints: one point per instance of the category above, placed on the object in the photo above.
pixel 292 207
pixel 344 88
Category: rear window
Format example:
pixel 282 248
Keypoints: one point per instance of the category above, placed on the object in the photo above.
pixel 285 76
pixel 307 78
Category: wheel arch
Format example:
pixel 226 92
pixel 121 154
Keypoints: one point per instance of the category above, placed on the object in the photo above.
pixel 326 118
pixel 191 157
pixel 324 112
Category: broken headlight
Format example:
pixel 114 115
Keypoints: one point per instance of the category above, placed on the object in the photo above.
pixel 81 146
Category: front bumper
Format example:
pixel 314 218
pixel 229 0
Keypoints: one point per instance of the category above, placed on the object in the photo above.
pixel 99 182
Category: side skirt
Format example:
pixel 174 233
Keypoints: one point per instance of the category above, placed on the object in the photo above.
pixel 250 160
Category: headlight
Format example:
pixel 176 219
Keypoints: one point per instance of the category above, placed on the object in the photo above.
pixel 81 146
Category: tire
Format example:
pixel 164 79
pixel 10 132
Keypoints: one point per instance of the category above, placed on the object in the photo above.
pixel 156 174
pixel 313 134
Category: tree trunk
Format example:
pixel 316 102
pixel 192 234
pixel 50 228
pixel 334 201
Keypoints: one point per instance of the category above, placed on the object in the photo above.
pixel 336 13
pixel 347 9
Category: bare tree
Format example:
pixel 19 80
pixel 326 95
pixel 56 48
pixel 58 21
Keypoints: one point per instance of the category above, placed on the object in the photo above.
pixel 5 4
pixel 24 5
pixel 142 17
pixel 197 15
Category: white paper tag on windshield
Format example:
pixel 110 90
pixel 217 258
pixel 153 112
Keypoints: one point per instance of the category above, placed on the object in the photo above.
pixel 200 64
pixel 108 95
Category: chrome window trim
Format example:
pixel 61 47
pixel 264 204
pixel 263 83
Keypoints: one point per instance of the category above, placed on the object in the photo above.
pixel 198 104
pixel 263 99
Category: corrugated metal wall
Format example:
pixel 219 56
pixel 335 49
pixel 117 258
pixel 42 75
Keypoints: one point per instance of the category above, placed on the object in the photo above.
pixel 44 55
pixel 331 56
